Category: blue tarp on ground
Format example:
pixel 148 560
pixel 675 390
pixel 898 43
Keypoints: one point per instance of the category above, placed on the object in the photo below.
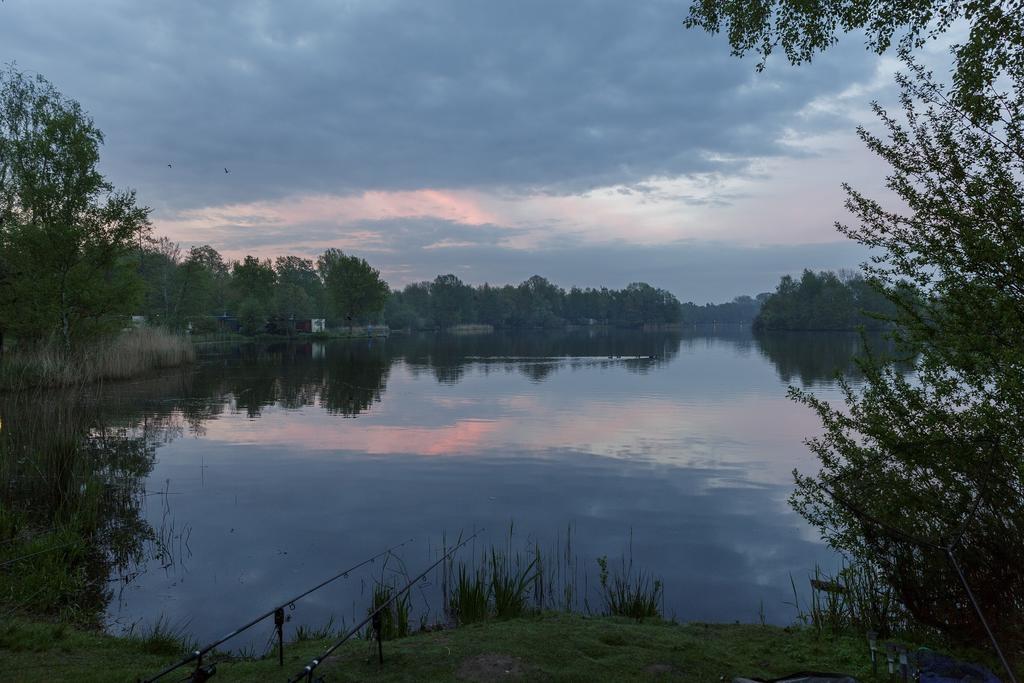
pixel 802 677
pixel 936 668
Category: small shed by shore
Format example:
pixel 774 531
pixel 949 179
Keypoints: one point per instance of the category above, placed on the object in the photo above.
pixel 229 323
pixel 311 325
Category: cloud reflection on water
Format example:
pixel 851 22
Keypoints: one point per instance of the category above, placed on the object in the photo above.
pixel 692 453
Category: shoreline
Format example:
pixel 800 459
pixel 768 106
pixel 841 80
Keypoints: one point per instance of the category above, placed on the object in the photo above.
pixel 551 646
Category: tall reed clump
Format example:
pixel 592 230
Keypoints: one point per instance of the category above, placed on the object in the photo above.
pixel 393 619
pixel 511 579
pixel 506 583
pixel 627 594
pixel 469 601
pixel 129 354
pixel 855 599
pixel 500 586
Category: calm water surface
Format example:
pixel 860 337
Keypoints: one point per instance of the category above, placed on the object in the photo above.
pixel 274 466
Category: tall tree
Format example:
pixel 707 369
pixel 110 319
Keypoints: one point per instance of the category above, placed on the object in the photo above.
pixel 208 280
pixel 166 283
pixel 300 291
pixel 450 300
pixel 354 289
pixel 65 233
pixel 924 479
pixel 252 278
pixel 917 473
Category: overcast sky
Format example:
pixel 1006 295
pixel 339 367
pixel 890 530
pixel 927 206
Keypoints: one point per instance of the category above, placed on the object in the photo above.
pixel 595 143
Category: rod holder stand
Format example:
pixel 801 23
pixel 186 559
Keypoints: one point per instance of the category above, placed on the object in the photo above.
pixel 279 627
pixel 377 627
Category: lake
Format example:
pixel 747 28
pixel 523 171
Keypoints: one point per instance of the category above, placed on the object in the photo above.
pixel 266 468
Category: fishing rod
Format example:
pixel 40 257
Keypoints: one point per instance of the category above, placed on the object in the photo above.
pixel 374 616
pixel 277 612
pixel 38 552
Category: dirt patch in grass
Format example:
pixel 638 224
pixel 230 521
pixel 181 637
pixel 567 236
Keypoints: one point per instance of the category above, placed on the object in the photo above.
pixel 491 667
pixel 661 671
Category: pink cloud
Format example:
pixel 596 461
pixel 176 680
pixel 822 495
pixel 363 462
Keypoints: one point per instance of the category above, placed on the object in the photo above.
pixel 598 427
pixel 458 438
pixel 782 201
pixel 217 223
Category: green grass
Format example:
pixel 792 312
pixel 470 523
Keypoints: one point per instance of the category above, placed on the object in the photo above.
pixel 553 647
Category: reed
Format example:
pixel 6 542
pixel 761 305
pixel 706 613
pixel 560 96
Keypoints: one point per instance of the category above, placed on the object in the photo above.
pixel 627 594
pixel 505 583
pixel 129 354
pixel 856 599
pixel 511 578
pixel 394 619
pixel 163 637
pixel 469 599
pixel 323 632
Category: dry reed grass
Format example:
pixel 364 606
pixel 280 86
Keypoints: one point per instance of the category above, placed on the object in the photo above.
pixel 129 354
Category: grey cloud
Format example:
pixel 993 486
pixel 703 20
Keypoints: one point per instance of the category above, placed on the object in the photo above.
pixel 321 97
pixel 392 235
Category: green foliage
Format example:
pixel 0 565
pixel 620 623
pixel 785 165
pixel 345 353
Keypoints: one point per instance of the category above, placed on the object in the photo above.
pixel 252 316
pixel 857 599
pixel 164 638
pixel 913 465
pixel 511 581
pixel 450 301
pixel 354 290
pixel 534 303
pixel 500 586
pixel 300 292
pixel 741 310
pixel 918 471
pixel 65 233
pixel 253 280
pixel 624 594
pixel 325 631
pixel 506 583
pixel 826 301
pixel 393 619
pixel 469 599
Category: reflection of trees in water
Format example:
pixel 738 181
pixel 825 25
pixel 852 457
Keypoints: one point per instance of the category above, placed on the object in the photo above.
pixel 815 357
pixel 536 355
pixel 68 462
pixel 343 378
pixel 738 337
pixel 355 378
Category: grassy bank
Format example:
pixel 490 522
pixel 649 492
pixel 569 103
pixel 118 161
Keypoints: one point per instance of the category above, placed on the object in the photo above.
pixel 129 354
pixel 551 647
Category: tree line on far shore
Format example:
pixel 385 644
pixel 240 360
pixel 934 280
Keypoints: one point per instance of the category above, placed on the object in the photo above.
pixel 539 303
pixel 826 301
pixel 260 294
